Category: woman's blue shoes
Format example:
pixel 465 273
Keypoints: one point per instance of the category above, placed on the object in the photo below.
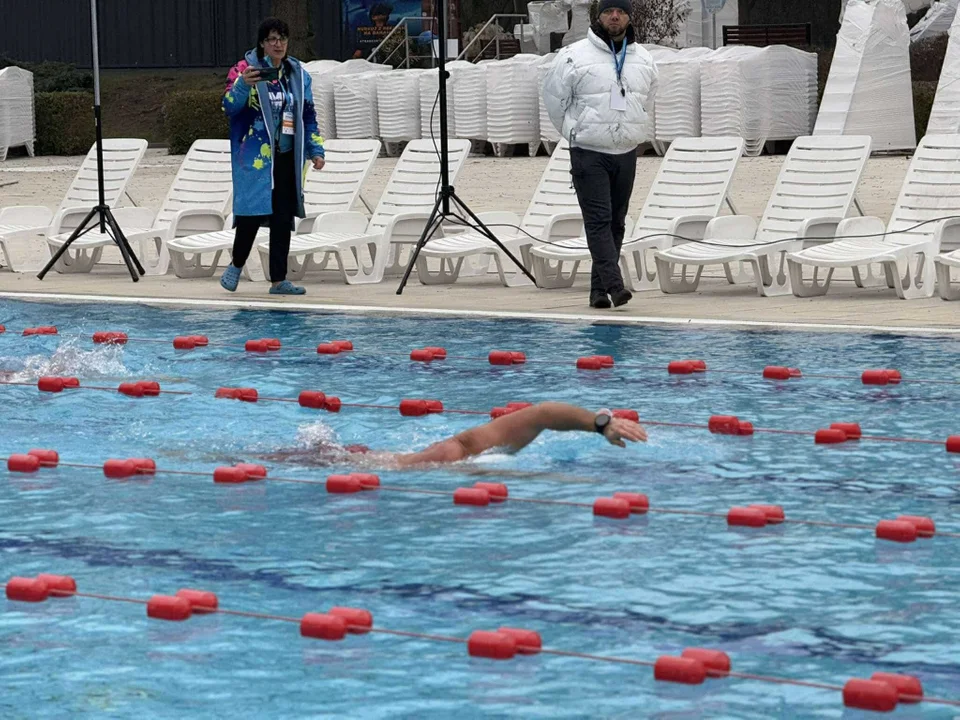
pixel 230 278
pixel 287 288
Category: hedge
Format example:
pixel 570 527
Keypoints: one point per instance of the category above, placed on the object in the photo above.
pixel 64 123
pixel 193 115
pixel 923 95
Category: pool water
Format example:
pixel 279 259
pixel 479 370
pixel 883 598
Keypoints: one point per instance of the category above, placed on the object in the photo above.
pixel 795 601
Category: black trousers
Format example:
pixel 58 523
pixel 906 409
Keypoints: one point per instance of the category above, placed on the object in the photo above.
pixel 604 184
pixel 280 221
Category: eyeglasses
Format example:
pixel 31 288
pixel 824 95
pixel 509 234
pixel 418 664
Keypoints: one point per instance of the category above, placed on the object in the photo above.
pixel 276 40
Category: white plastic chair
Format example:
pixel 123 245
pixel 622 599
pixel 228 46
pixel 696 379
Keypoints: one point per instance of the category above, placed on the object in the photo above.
pixel 553 214
pixel 687 193
pixel 334 188
pixel 397 221
pixel 197 201
pixel 927 214
pixel 28 222
pixel 813 194
pixel 944 264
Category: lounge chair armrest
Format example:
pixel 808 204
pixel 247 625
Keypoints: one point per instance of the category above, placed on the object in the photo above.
pixel 134 217
pixel 33 215
pixel 691 226
pixel 67 219
pixel 947 232
pixel 732 227
pixel 562 226
pixel 345 221
pixel 192 221
pixel 407 227
pixel 818 230
pixel 861 226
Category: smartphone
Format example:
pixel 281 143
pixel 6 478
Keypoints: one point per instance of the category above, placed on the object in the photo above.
pixel 269 74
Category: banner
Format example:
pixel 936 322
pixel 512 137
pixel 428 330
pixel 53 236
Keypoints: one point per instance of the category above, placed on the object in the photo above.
pixel 368 22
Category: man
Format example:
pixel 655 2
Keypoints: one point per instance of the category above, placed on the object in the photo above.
pixel 510 433
pixel 599 94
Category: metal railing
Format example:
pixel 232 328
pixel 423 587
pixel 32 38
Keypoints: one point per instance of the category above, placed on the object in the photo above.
pixel 403 42
pixel 495 40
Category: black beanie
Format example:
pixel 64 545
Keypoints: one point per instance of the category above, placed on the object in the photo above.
pixel 607 4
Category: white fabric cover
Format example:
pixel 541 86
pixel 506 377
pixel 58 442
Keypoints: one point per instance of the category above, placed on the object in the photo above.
pixel 945 116
pixel 17 125
pixel 698 28
pixel 869 91
pixel 546 18
pixel 398 104
pixel 323 94
pixel 937 21
pixel 355 100
pixel 513 104
pixel 576 92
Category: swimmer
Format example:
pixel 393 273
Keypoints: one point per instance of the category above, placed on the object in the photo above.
pixel 510 433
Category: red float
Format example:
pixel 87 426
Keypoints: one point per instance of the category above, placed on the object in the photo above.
pixel 625 414
pixel 744 428
pixel 896 530
pixel 434 406
pixel 257 346
pixel 773 513
pixel 23 463
pixel 500 412
pixel 528 642
pixel 169 607
pixel 795 372
pixel 50 384
pixel 413 408
pixel 368 481
pixel 589 363
pixel 746 517
pixel 253 471
pixel 47 458
pixel 611 507
pixel 229 475
pixel 870 695
pixel 439 353
pixel 498 491
pixel 606 361
pixel 699 365
pixel 332 404
pixel 679 670
pixel 724 424
pixel 776 372
pixel 518 405
pixel 953 444
pixel 471 496
pixel 200 600
pixel 27 589
pixel 151 388
pixel 909 689
pixel 342 484
pixel 358 620
pixel 492 645
pixel 131 389
pixel 829 436
pixel 144 466
pixel 639 503
pixel 681 367
pixel 500 357
pixel 421 355
pixel 323 626
pixel 114 338
pixel 716 662
pixel 924 525
pixel 328 349
pixel 242 394
pixel 344 345
pixel 519 358
pixel 119 468
pixel 70 382
pixel 43 330
pixel 881 377
pixel 851 430
pixel 59 585
pixel 3 329
pixel 200 340
pixel 183 342
pixel 312 399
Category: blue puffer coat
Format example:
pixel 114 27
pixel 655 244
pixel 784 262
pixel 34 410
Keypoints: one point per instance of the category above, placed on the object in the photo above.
pixel 252 129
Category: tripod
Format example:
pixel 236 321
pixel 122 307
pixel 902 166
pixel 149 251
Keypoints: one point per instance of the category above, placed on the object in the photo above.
pixel 441 208
pixel 100 216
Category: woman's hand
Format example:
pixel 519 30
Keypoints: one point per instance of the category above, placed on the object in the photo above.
pixel 318 163
pixel 619 429
pixel 251 76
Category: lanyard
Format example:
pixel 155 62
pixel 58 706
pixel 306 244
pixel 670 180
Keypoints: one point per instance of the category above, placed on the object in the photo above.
pixel 618 62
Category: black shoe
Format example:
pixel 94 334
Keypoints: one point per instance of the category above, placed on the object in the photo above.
pixel 599 300
pixel 621 297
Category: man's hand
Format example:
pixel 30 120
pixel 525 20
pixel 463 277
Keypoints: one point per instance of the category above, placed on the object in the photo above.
pixel 619 429
pixel 318 163
pixel 251 76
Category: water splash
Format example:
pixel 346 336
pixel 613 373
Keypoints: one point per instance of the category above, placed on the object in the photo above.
pixel 316 434
pixel 69 359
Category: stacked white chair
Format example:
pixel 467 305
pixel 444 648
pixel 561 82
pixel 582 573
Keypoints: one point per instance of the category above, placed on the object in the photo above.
pixel 945 115
pixel 677 103
pixel 687 193
pixel 17 125
pixel 814 193
pixel 120 158
pixel 925 220
pixel 429 87
pixel 513 104
pixel 324 96
pixel 548 133
pixel 198 201
pixel 367 250
pixel 332 189
pixel 398 107
pixel 938 20
pixel 355 98
pixel 869 91
pixel 317 69
pixel 469 81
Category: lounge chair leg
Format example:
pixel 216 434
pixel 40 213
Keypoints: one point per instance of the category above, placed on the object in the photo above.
pixel 803 289
pixel 768 284
pixel 550 277
pixel 740 277
pixel 644 278
pixel 916 277
pixel 448 272
pixel 669 284
pixel 948 291
pixel 869 278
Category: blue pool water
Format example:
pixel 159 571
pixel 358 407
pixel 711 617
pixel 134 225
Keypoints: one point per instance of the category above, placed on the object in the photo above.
pixel 801 602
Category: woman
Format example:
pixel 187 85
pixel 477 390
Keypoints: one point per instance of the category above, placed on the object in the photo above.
pixel 273 134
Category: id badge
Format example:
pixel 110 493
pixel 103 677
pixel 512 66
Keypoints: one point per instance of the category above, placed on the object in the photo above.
pixel 288 128
pixel 618 101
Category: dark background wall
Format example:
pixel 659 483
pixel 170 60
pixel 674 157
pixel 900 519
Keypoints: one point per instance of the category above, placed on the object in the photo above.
pixel 823 15
pixel 150 33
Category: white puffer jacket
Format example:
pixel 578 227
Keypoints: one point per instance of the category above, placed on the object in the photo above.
pixel 576 94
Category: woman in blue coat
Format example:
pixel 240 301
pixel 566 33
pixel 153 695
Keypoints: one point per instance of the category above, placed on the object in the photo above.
pixel 273 135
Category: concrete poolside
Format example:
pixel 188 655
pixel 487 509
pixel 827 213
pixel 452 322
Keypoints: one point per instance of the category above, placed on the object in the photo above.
pixel 503 184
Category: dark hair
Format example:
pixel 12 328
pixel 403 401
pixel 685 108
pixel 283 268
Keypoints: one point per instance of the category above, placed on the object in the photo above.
pixel 379 10
pixel 269 25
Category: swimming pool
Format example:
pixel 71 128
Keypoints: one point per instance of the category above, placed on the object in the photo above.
pixel 801 602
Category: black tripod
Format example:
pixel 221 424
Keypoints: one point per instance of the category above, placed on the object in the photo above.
pixel 101 216
pixel 441 208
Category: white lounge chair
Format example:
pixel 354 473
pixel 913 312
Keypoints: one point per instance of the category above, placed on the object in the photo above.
pixel 398 220
pixel 687 193
pixel 28 222
pixel 813 194
pixel 944 263
pixel 198 201
pixel 926 214
pixel 336 187
pixel 553 214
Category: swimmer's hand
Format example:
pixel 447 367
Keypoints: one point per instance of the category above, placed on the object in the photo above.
pixel 620 429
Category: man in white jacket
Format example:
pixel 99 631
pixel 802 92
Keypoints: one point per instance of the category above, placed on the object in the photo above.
pixel 599 94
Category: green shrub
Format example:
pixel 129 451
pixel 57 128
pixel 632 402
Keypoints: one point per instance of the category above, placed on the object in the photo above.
pixel 926 58
pixel 923 95
pixel 53 76
pixel 193 115
pixel 64 123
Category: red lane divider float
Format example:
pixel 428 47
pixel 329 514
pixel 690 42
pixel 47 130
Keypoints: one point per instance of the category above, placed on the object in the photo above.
pixel 621 505
pixel 882 692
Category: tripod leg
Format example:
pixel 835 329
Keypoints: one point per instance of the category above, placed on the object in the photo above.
pixel 486 231
pixel 125 250
pixel 428 231
pixel 63 248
